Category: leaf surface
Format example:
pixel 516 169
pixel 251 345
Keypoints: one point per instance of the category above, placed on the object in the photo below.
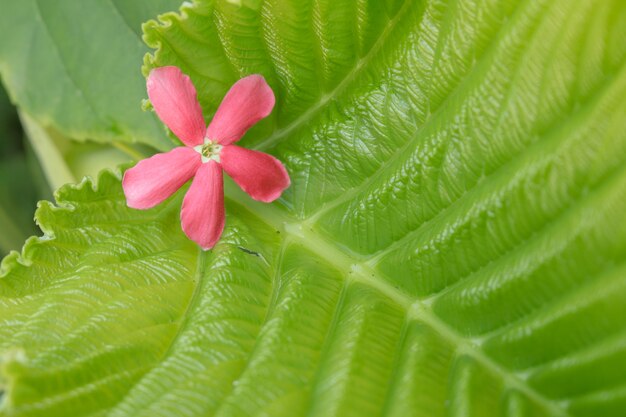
pixel 74 66
pixel 453 243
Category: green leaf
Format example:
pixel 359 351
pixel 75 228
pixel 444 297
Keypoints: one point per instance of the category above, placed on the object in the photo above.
pixel 453 242
pixel 74 66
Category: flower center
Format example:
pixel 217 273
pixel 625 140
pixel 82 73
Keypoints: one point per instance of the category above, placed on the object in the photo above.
pixel 209 150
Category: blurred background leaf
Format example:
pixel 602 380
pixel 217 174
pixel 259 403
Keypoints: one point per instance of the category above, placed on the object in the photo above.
pixel 20 181
pixel 74 66
pixel 63 100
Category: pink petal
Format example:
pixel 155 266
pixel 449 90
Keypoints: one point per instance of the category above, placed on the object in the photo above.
pixel 173 97
pixel 202 215
pixel 257 173
pixel 154 179
pixel 248 101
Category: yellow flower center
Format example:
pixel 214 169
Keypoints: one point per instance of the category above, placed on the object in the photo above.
pixel 209 150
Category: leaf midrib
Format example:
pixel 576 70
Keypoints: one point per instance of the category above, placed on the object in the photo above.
pixel 58 53
pixel 96 114
pixel 361 273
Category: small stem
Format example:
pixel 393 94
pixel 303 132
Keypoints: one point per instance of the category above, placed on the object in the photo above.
pixel 49 156
pixel 129 150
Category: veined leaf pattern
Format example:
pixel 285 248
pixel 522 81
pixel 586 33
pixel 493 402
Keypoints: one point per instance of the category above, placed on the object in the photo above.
pixel 453 243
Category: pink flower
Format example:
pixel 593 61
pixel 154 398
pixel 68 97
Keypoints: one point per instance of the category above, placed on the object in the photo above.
pixel 208 150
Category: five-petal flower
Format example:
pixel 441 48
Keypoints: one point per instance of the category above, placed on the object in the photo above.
pixel 208 150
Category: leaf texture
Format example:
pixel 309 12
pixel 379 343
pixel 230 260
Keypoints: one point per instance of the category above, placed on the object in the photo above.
pixel 453 243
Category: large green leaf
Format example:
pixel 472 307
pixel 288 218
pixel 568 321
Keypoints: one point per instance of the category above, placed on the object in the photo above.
pixel 73 65
pixel 453 243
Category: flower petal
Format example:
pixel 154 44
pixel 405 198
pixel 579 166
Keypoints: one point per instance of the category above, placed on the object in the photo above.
pixel 173 97
pixel 154 179
pixel 202 215
pixel 258 174
pixel 248 101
